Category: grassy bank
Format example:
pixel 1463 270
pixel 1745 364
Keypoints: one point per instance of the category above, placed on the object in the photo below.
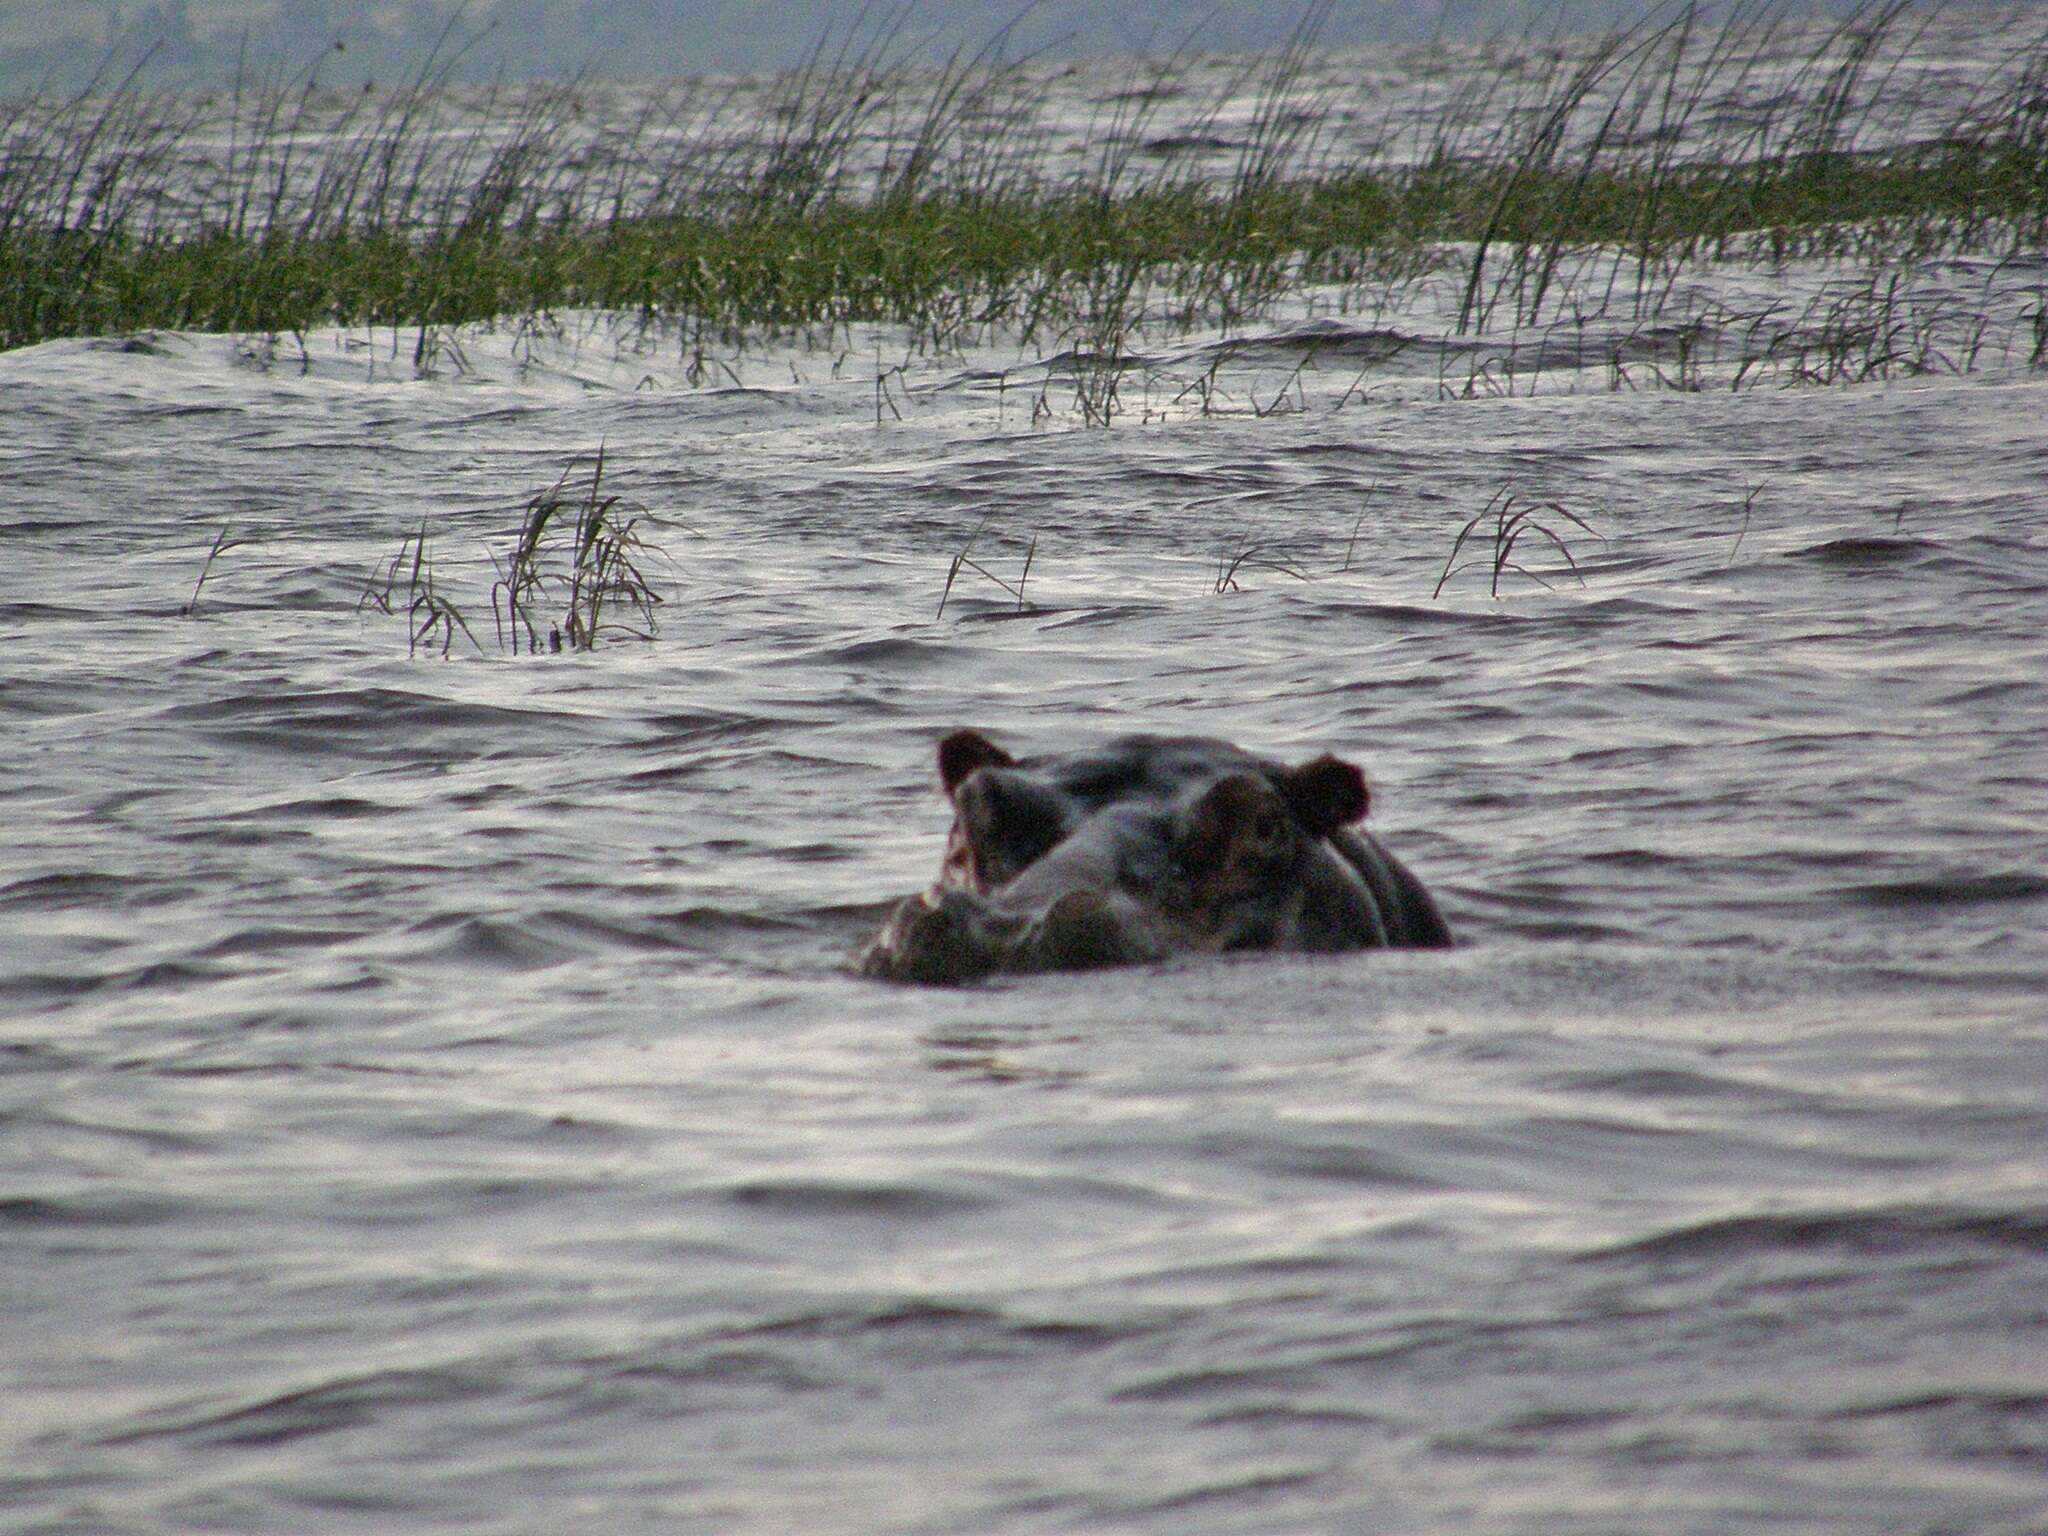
pixel 958 234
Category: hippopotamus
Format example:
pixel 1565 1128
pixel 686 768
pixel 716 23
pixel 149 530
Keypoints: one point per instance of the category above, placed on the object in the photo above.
pixel 1144 848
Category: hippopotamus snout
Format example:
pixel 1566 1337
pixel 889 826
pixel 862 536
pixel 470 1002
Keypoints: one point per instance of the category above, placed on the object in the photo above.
pixel 1145 848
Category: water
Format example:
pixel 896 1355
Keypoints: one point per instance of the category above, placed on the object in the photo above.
pixel 313 156
pixel 433 1093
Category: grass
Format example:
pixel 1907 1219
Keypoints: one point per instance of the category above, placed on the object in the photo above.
pixel 223 541
pixel 948 266
pixel 429 615
pixel 1247 553
pixel 577 563
pixel 965 561
pixel 1514 525
pixel 427 208
pixel 574 573
pixel 1516 520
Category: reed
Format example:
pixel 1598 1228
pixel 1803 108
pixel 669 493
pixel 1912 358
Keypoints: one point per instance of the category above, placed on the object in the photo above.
pixel 1748 511
pixel 1249 553
pixel 1512 526
pixel 429 614
pixel 577 564
pixel 576 572
pixel 222 542
pixel 964 561
pixel 1365 507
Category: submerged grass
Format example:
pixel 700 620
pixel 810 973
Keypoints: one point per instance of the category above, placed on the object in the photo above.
pixel 429 208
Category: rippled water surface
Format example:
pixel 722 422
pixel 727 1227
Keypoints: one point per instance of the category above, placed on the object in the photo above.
pixel 433 1093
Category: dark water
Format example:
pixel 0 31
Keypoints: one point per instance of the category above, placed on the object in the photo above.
pixel 432 1093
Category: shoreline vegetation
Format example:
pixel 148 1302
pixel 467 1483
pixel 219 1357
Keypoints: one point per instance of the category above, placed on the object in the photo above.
pixel 868 190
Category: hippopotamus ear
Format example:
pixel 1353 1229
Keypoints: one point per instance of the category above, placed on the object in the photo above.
pixel 961 753
pixel 1325 794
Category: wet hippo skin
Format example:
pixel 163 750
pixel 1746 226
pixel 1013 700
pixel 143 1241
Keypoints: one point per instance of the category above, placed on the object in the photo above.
pixel 1145 847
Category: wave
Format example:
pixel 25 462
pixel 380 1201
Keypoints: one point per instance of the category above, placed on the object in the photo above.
pixel 1875 1232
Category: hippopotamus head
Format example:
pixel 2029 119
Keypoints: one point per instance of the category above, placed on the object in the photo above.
pixel 1147 847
